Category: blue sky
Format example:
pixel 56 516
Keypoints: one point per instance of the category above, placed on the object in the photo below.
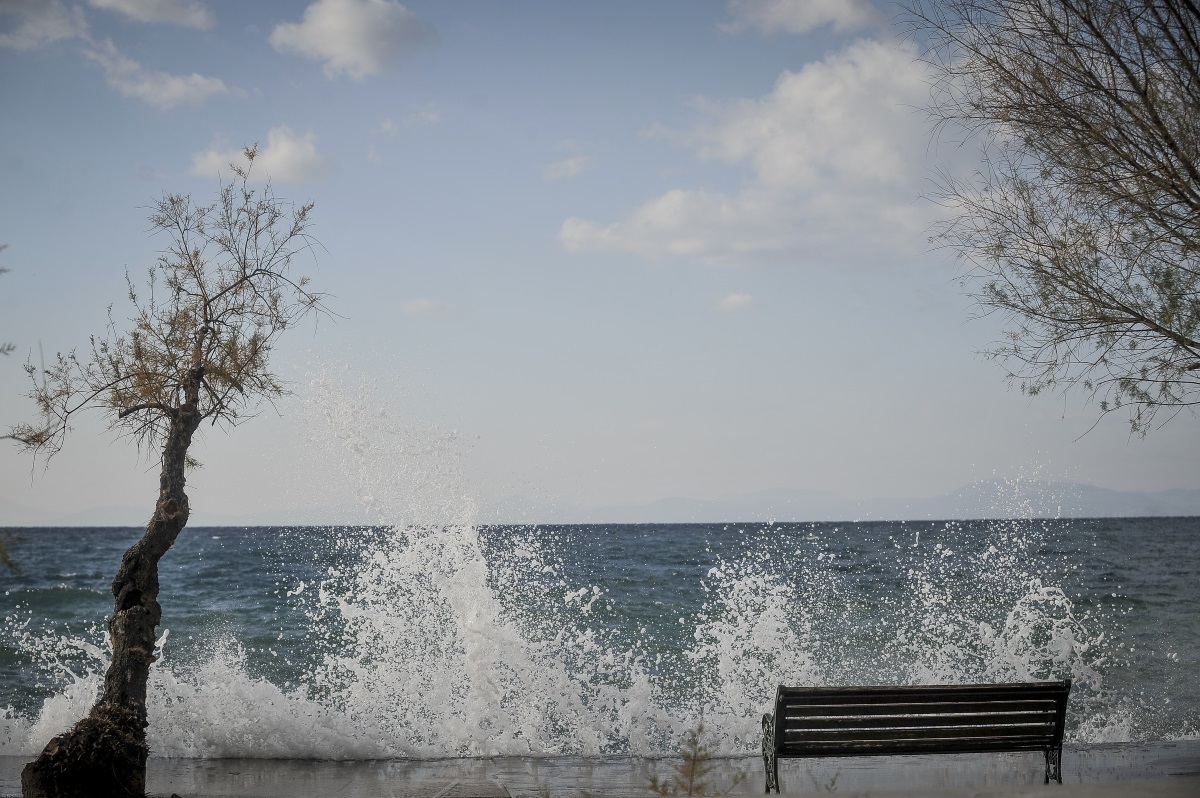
pixel 616 251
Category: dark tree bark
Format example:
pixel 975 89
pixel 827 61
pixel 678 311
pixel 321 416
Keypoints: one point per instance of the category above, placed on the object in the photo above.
pixel 198 350
pixel 1082 228
pixel 105 753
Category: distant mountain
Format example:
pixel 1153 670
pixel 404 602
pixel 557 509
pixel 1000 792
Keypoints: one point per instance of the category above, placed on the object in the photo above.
pixel 115 515
pixel 985 499
pixel 108 515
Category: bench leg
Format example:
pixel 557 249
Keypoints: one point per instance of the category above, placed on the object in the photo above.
pixel 770 763
pixel 1053 765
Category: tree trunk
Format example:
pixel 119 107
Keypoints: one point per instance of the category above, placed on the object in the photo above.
pixel 104 755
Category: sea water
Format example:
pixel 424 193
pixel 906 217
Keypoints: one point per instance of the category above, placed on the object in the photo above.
pixel 424 634
pixel 441 640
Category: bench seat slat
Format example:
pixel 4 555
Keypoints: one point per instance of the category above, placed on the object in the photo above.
pixel 915 720
pixel 890 747
pixel 1045 732
pixel 1033 727
pixel 914 707
pixel 965 691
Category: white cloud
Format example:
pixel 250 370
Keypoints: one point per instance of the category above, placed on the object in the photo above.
pixel 188 13
pixel 734 302
pixel 700 224
pixel 286 157
pixel 40 22
pixel 423 118
pixel 799 16
pixel 849 117
pixel 833 152
pixel 353 37
pixel 160 89
pixel 566 168
pixel 422 307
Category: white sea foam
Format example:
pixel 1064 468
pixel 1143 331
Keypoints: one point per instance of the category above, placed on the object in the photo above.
pixel 425 652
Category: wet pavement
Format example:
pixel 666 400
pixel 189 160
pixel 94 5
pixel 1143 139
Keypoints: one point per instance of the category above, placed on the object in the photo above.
pixel 1159 770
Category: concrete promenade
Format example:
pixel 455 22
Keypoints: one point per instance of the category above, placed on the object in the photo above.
pixel 1154 770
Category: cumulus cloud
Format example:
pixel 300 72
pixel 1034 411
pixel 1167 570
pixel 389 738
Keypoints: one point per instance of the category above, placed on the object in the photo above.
pixel 187 13
pixel 353 37
pixel 833 154
pixel 849 117
pixel 37 23
pixel 422 307
pixel 799 16
pixel 734 302
pixel 566 168
pixel 160 89
pixel 700 224
pixel 423 118
pixel 286 157
pixel 41 22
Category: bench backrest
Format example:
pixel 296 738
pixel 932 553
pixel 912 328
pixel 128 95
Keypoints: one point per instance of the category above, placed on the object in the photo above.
pixel 860 721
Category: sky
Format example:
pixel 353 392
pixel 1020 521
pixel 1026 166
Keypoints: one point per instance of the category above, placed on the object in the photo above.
pixel 580 255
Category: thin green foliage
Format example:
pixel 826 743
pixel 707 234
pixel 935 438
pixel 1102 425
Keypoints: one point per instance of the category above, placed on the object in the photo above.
pixel 203 326
pixel 693 774
pixel 1081 227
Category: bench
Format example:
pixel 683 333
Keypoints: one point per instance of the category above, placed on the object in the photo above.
pixel 916 719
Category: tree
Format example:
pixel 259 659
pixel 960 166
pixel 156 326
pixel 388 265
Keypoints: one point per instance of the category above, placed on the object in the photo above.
pixel 196 351
pixel 1083 226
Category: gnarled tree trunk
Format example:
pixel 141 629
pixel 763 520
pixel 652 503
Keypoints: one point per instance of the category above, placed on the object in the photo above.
pixel 104 755
pixel 199 349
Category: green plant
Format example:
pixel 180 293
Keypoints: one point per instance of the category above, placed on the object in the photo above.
pixel 692 775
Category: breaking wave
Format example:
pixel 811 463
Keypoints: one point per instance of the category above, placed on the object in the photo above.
pixel 429 636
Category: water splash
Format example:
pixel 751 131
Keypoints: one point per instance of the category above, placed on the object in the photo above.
pixel 977 611
pixel 430 638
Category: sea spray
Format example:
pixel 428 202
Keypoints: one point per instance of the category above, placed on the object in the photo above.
pixel 450 641
pixel 422 634
pixel 752 634
pixel 427 636
pixel 421 644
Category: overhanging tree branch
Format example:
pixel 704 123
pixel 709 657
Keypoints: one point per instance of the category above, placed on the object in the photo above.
pixel 1083 227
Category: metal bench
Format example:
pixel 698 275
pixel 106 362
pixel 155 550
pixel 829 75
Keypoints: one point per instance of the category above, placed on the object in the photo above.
pixel 916 719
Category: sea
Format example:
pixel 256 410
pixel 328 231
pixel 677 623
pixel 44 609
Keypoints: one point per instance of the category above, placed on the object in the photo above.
pixel 427 641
